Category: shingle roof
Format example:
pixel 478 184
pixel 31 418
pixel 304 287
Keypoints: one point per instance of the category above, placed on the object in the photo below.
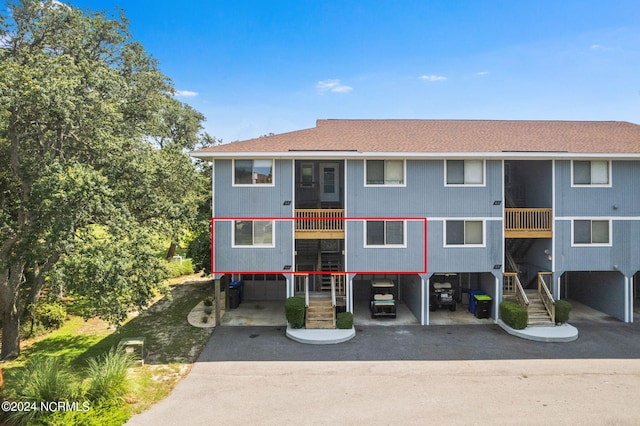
pixel 448 136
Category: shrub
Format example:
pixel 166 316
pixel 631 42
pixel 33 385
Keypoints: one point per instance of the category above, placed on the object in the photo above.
pixel 344 320
pixel 44 379
pixel 514 315
pixel 208 310
pixel 208 301
pixel 51 315
pixel 177 268
pixel 294 311
pixel 562 311
pixel 205 319
pixel 108 375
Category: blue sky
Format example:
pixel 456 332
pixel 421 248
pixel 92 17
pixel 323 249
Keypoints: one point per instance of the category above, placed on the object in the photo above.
pixel 259 67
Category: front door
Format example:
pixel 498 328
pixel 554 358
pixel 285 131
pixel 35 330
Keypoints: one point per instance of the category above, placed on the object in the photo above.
pixel 329 182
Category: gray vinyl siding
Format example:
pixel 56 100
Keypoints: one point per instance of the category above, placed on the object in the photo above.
pixel 465 259
pixel 425 193
pixel 247 259
pixel 253 201
pixel 387 259
pixel 622 255
pixel 585 201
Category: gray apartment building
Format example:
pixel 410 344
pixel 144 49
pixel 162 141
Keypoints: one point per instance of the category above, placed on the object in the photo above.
pixel 515 209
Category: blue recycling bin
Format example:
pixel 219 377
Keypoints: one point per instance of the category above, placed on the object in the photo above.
pixel 472 299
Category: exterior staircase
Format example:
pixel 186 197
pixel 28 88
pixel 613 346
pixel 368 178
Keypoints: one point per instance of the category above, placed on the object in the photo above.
pixel 538 315
pixel 330 262
pixel 320 314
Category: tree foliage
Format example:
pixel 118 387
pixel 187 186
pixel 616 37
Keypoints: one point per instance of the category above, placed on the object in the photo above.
pixel 92 148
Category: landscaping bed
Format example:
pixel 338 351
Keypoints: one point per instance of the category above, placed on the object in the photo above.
pixel 171 344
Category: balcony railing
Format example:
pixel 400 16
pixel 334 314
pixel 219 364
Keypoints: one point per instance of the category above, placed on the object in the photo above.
pixel 319 223
pixel 528 223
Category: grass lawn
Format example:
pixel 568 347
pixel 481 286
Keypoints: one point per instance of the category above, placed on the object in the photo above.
pixel 171 343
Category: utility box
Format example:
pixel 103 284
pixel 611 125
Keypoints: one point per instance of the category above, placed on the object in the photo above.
pixel 134 346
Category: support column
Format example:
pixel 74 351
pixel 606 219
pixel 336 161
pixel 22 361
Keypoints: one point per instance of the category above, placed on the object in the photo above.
pixel 425 302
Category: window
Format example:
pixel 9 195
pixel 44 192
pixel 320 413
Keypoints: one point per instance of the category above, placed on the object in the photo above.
pixel 591 232
pixel 253 172
pixel 384 233
pixel 591 173
pixel 464 172
pixel 256 233
pixel 384 172
pixel 464 232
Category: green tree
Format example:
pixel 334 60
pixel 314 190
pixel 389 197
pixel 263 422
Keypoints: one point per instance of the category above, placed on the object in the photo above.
pixel 83 188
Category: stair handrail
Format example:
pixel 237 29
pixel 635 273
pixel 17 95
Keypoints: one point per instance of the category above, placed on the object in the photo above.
pixel 508 199
pixel 333 291
pixel 306 291
pixel 523 300
pixel 512 263
pixel 516 287
pixel 545 295
pixel 340 284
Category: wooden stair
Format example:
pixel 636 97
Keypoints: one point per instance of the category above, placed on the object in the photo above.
pixel 330 262
pixel 538 315
pixel 320 314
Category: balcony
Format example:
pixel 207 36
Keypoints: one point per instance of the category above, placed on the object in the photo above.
pixel 528 223
pixel 311 224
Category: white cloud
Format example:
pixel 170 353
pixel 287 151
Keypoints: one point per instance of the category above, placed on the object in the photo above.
pixel 482 73
pixel 333 85
pixel 186 93
pixel 433 77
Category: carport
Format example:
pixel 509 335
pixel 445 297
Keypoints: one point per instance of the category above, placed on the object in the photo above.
pixel 407 292
pixel 463 284
pixel 263 298
pixel 603 291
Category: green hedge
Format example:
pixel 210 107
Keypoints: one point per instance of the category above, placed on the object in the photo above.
pixel 294 311
pixel 514 315
pixel 562 311
pixel 344 320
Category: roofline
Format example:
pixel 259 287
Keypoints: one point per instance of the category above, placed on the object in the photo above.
pixel 509 155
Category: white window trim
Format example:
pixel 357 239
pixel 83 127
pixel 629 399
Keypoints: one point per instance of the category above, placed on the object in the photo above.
pixel 593 185
pixel 466 185
pixel 591 219
pixel 464 219
pixel 387 185
pixel 385 246
pixel 253 185
pixel 253 246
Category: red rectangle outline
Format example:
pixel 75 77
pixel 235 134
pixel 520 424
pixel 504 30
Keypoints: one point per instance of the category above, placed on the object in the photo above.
pixel 213 271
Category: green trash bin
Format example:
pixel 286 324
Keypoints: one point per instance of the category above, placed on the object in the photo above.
pixel 483 305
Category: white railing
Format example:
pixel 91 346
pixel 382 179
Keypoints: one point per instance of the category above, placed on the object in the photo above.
pixel 333 291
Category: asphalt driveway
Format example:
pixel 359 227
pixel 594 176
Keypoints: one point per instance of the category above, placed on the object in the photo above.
pixel 473 374
pixel 596 340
